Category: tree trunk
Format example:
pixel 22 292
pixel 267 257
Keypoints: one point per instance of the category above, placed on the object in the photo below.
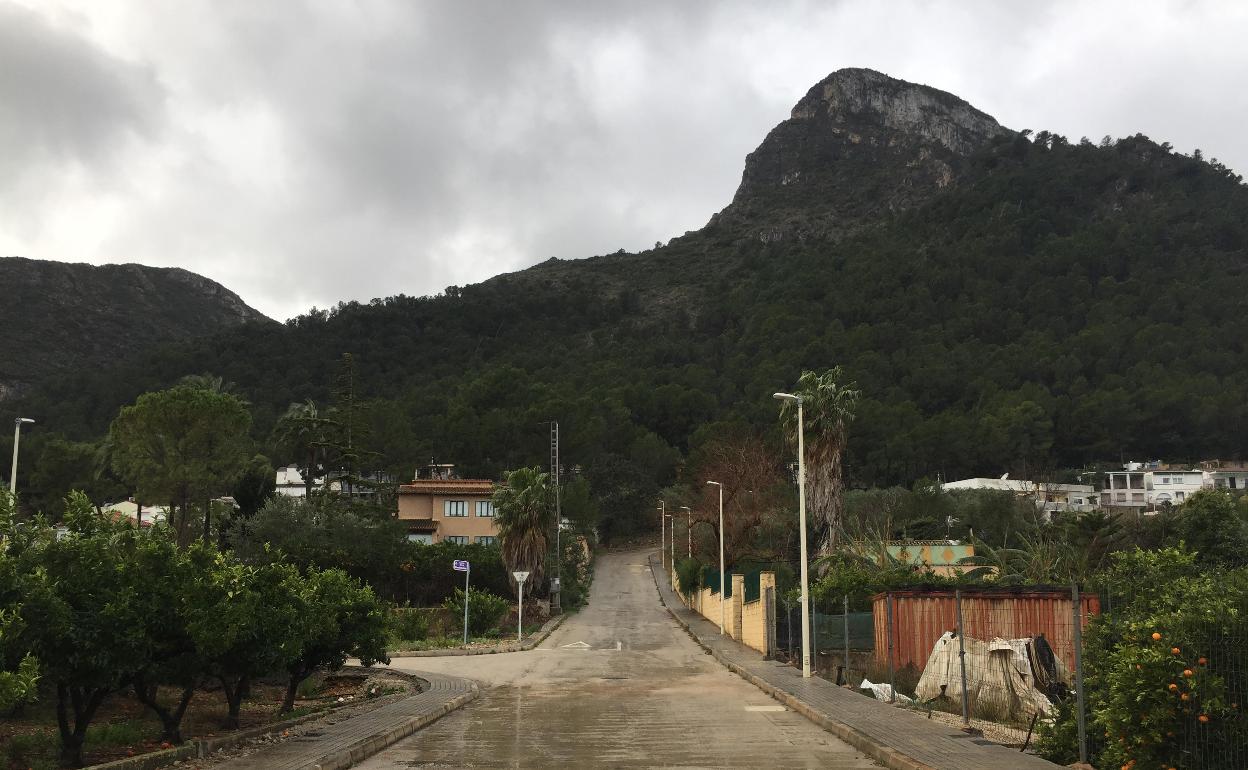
pixel 234 701
pixel 307 476
pixel 84 704
pixel 297 676
pixel 207 519
pixel 171 721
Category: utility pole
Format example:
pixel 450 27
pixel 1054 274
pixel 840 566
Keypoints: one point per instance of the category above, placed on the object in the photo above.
pixel 554 474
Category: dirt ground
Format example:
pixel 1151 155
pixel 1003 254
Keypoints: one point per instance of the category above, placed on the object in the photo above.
pixel 124 727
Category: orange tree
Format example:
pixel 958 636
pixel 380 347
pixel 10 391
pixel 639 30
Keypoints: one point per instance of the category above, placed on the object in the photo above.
pixel 1164 665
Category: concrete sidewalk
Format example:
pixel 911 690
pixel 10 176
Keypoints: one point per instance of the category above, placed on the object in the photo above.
pixel 343 743
pixel 891 736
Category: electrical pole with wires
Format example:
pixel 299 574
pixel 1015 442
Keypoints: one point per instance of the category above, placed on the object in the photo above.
pixel 554 475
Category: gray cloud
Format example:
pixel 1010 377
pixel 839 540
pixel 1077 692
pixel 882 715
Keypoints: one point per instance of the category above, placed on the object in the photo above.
pixel 306 153
pixel 66 105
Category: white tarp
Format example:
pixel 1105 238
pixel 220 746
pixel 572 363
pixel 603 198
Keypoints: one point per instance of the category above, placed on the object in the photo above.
pixel 883 692
pixel 999 677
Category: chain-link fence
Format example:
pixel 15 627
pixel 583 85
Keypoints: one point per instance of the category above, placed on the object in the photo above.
pixel 1151 672
pixel 1165 669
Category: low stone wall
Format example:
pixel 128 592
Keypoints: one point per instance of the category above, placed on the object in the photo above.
pixel 744 621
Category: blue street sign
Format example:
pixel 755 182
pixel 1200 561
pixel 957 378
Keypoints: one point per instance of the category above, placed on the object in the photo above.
pixel 460 565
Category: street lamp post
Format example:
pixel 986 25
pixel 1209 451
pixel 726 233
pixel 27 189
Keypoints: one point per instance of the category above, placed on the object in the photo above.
pixel 672 544
pixel 688 531
pixel 662 529
pixel 17 438
pixel 801 528
pixel 722 588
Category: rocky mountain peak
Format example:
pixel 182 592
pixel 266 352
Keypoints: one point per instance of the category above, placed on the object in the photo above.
pixel 858 146
pixel 866 95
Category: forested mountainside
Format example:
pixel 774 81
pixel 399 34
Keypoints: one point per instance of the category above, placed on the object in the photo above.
pixel 1004 300
pixel 58 318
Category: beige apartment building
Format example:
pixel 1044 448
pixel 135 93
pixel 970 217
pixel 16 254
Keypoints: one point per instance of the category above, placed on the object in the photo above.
pixel 437 506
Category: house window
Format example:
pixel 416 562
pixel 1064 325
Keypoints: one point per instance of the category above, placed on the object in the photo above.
pixel 454 508
pixel 485 539
pixel 1220 483
pixel 1178 495
pixel 485 508
pixel 1164 480
pixel 1231 480
pixel 1122 497
pixel 457 539
pixel 420 537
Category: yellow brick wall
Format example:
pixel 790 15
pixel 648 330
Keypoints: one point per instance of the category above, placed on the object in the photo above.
pixel 744 621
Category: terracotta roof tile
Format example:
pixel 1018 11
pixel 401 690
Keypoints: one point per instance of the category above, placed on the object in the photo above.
pixel 447 487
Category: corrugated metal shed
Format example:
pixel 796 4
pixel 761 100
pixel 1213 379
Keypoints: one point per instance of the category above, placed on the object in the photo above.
pixel 921 615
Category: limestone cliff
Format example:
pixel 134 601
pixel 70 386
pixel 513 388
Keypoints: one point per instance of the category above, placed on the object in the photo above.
pixel 859 144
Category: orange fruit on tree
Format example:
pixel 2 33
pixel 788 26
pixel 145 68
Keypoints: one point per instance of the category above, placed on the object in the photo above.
pixel 1156 636
pixel 1174 650
pixel 1203 661
pixel 1203 718
pixel 1187 672
pixel 1173 687
pixel 1184 696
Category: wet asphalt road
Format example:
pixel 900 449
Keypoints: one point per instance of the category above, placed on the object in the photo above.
pixel 619 684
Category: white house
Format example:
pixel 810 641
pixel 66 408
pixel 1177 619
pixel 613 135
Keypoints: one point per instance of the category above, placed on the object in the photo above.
pixel 1048 496
pixel 1226 474
pixel 290 482
pixel 1144 487
pixel 128 510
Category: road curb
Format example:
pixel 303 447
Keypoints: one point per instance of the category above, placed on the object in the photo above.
pixel 885 755
pixel 373 744
pixel 529 643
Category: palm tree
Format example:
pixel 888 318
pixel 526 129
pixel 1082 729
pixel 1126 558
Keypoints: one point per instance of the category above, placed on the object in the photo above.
pixel 522 503
pixel 303 430
pixel 828 404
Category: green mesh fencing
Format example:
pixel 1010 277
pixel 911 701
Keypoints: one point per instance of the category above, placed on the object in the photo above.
pixel 753 585
pixel 753 582
pixel 830 631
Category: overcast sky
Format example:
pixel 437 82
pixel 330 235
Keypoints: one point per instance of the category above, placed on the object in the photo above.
pixel 303 153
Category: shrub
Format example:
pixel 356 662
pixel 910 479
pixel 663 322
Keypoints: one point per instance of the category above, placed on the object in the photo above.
pixel 1163 670
pixel 409 625
pixel 689 575
pixel 485 609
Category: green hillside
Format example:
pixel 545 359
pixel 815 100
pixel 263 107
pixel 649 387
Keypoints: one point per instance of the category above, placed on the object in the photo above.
pixel 1005 301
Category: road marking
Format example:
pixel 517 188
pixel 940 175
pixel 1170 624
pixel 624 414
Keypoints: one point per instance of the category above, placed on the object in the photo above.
pixel 769 709
pixel 575 646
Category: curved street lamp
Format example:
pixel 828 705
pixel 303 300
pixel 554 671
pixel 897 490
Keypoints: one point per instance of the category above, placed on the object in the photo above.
pixel 801 513
pixel 17 438
pixel 721 554
pixel 688 531
pixel 662 529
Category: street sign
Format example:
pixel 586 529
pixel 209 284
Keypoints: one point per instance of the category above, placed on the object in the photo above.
pixel 462 565
pixel 520 577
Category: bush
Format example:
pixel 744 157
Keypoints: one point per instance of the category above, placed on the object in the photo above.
pixel 485 609
pixel 689 576
pixel 1163 670
pixel 409 625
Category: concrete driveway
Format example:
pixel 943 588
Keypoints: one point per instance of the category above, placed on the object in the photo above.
pixel 619 684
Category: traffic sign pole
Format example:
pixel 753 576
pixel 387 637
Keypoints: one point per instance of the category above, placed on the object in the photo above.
pixel 520 578
pixel 464 566
pixel 467 573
